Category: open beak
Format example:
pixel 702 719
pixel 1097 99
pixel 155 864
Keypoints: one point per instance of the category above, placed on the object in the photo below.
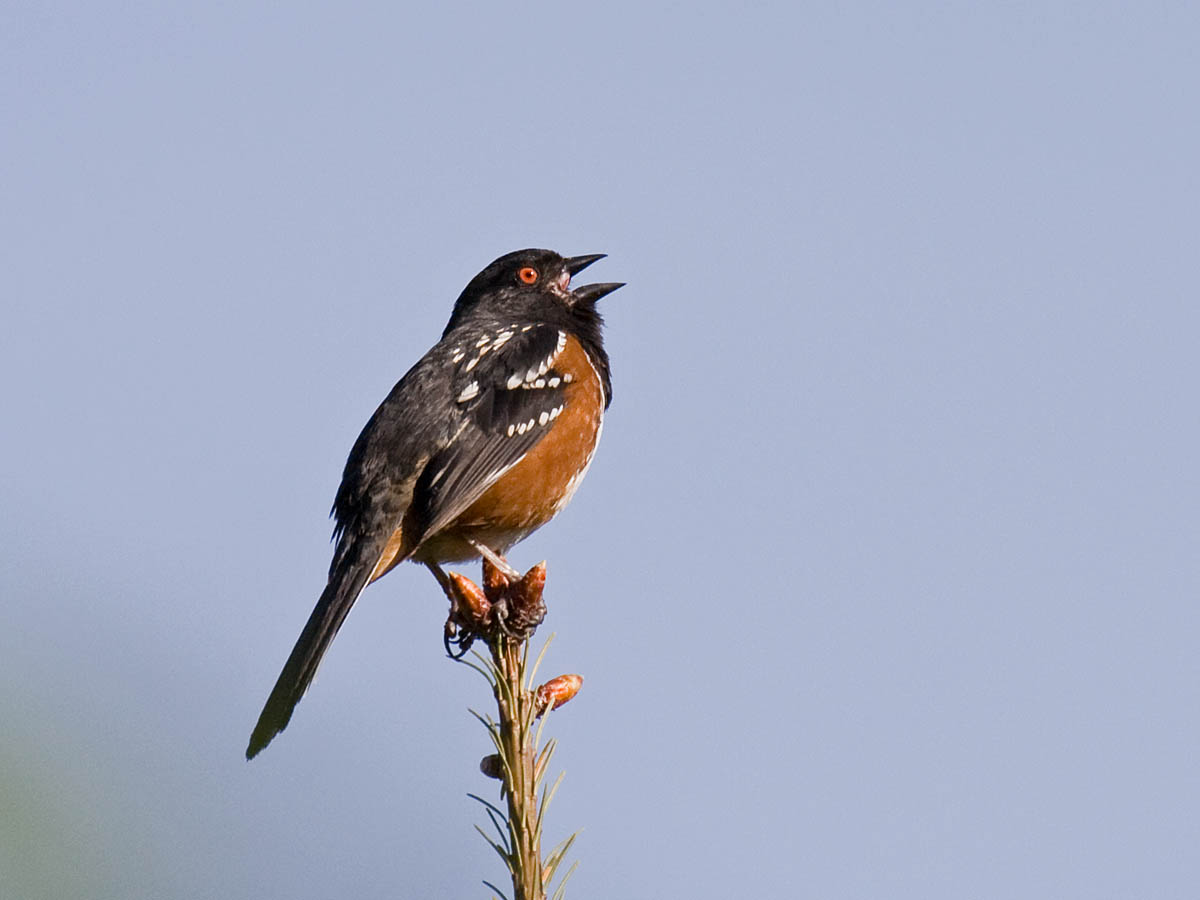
pixel 588 293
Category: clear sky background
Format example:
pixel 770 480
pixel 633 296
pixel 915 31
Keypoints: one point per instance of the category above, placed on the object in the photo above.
pixel 884 582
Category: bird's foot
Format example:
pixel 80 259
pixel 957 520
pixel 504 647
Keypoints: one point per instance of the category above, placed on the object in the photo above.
pixel 505 606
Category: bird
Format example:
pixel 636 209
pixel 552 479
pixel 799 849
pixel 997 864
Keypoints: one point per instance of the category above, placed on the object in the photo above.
pixel 484 440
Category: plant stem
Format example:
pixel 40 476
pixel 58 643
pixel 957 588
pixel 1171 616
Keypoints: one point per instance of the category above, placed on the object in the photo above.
pixel 517 706
pixel 520 763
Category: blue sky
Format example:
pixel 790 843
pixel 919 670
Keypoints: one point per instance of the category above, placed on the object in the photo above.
pixel 884 579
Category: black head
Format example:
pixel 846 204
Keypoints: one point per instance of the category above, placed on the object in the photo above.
pixel 532 284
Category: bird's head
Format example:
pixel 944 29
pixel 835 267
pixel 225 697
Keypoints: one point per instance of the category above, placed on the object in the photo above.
pixel 536 282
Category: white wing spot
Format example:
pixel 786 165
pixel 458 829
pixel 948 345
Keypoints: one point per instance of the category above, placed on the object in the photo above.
pixel 502 339
pixel 522 428
pixel 567 378
pixel 514 381
pixel 562 343
pixel 469 391
pixel 543 418
pixel 531 374
pixel 530 424
pixel 511 429
pixel 554 381
pixel 554 412
pixel 472 364
pixel 483 341
pixel 458 355
pixel 526 328
pixel 540 383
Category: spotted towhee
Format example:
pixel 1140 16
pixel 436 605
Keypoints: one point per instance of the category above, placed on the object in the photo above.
pixel 480 444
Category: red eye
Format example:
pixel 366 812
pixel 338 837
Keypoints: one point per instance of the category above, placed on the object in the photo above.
pixel 528 274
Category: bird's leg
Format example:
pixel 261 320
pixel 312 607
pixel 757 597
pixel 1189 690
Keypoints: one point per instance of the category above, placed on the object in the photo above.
pixel 495 559
pixel 455 632
pixel 442 578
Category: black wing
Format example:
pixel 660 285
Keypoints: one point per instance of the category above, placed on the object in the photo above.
pixel 508 391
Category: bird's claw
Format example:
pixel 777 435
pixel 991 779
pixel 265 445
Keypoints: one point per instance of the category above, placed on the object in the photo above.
pixel 460 639
pixel 503 607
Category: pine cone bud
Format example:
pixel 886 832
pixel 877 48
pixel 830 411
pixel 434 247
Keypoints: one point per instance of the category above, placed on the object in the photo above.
pixel 557 691
pixel 492 767
pixel 470 600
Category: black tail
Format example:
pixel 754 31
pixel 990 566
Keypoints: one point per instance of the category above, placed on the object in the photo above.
pixel 345 584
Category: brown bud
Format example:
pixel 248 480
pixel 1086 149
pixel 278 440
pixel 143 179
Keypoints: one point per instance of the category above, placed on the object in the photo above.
pixel 469 599
pixel 494 580
pixel 557 691
pixel 533 582
pixel 492 767
pixel 526 609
